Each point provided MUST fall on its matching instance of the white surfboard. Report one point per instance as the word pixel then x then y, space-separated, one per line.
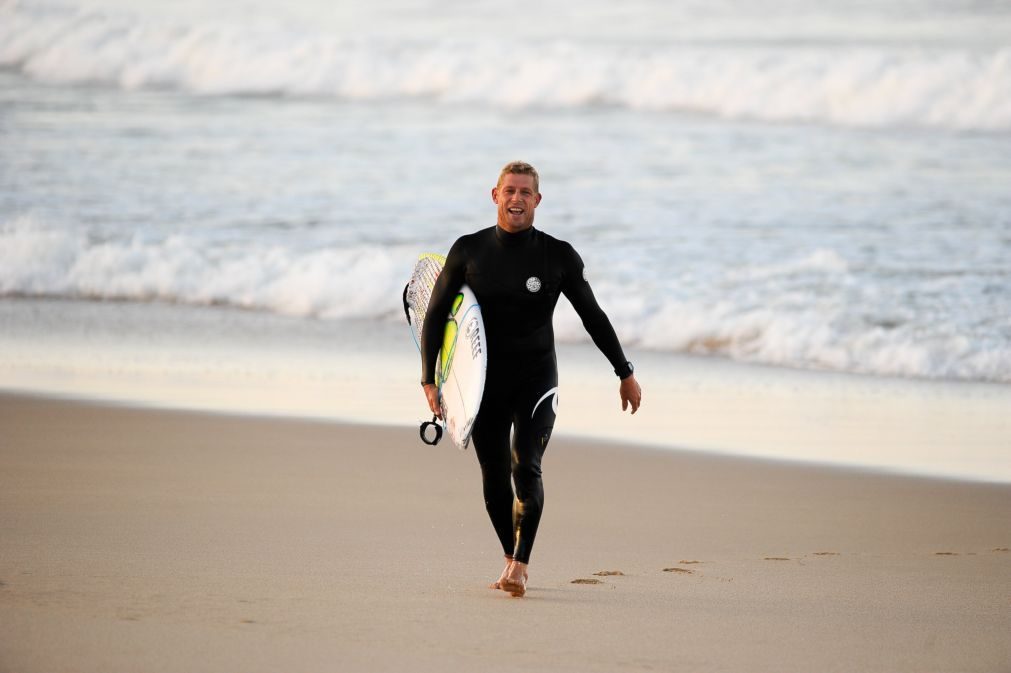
pixel 463 358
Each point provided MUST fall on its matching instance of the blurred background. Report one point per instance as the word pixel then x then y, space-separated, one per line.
pixel 217 204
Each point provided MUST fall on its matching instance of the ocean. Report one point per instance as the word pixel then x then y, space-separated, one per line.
pixel 802 188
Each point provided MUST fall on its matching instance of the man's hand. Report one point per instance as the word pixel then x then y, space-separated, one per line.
pixel 432 395
pixel 630 393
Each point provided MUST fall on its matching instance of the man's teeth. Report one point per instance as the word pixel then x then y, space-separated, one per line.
pixel 516 210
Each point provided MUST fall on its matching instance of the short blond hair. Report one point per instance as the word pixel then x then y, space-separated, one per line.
pixel 520 168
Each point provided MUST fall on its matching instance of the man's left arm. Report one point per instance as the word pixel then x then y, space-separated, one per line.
pixel 577 289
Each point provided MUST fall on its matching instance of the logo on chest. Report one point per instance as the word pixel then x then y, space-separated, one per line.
pixel 534 284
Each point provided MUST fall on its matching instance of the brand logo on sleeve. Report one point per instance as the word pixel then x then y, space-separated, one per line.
pixel 534 284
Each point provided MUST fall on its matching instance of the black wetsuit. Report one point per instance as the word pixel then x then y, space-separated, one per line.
pixel 517 279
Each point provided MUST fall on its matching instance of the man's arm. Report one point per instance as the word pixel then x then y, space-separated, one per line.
pixel 576 288
pixel 446 286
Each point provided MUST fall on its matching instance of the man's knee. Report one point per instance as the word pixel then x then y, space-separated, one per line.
pixel 527 477
pixel 527 472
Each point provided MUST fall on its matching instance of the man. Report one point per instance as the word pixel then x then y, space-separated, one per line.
pixel 517 273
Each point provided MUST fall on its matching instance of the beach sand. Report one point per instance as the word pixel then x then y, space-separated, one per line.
pixel 144 540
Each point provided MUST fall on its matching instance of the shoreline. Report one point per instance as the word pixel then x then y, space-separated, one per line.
pixel 410 430
pixel 705 438
pixel 142 539
pixel 234 361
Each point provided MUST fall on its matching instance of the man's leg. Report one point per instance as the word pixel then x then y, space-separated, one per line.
pixel 491 444
pixel 529 443
pixel 533 422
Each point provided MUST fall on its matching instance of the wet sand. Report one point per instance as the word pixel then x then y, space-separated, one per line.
pixel 143 540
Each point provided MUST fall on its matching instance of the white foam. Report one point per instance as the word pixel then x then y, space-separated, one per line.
pixel 815 312
pixel 807 312
pixel 36 260
pixel 864 85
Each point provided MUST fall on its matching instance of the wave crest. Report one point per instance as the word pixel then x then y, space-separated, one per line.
pixel 326 283
pixel 849 85
pixel 795 325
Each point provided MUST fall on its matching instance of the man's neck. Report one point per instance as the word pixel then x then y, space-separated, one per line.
pixel 513 237
pixel 512 230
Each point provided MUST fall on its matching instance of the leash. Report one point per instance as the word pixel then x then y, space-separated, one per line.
pixel 423 431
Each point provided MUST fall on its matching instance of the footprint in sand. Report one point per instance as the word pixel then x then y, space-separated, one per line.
pixel 945 553
pixel 582 580
pixel 1000 549
pixel 826 553
pixel 777 558
pixel 608 573
pixel 685 571
pixel 686 563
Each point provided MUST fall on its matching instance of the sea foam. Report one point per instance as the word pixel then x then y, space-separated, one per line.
pixel 36 260
pixel 780 314
pixel 859 84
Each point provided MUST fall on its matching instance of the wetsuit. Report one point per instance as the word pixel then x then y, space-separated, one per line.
pixel 517 279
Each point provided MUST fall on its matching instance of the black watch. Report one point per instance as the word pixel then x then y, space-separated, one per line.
pixel 624 371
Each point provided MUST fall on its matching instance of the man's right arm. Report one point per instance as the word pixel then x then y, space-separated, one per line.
pixel 446 286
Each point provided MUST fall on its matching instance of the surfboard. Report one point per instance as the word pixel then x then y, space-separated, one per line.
pixel 463 357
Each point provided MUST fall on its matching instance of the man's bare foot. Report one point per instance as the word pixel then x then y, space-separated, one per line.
pixel 514 581
pixel 497 584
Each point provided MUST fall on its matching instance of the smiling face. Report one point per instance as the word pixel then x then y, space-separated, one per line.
pixel 516 197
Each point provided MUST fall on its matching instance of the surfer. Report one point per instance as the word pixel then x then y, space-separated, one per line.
pixel 517 273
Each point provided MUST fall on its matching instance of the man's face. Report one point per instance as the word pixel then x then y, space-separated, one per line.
pixel 516 200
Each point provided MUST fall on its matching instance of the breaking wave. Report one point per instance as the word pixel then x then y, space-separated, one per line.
pixel 780 314
pixel 863 85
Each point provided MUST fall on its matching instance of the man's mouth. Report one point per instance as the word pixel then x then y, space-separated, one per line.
pixel 515 211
